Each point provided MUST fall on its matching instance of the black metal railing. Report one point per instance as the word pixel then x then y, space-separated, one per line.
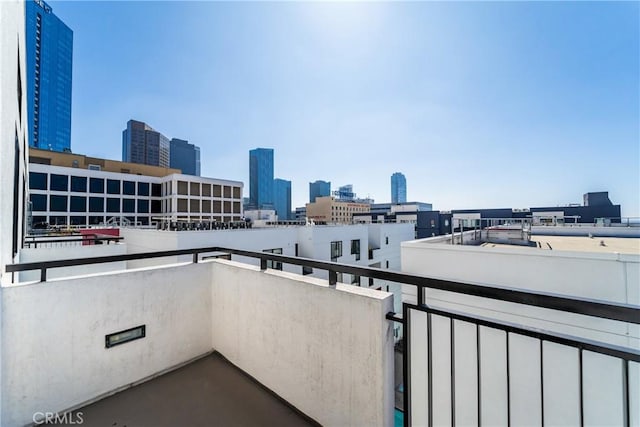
pixel 70 240
pixel 582 306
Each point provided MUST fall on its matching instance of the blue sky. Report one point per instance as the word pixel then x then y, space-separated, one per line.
pixel 479 104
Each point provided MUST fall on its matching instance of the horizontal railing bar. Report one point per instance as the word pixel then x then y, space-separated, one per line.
pixel 603 309
pixel 626 353
pixel 392 316
pixel 77 239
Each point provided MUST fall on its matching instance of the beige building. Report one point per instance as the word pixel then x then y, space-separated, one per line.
pixel 332 210
pixel 70 160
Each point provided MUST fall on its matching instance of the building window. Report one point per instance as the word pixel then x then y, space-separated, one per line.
pixel 113 204
pixel 96 204
pixel 194 205
pixel 143 189
pixel 156 206
pixel 355 248
pixel 227 192
pixel 128 205
pixel 113 186
pixel 386 240
pixel 78 204
pixel 129 188
pixel 236 207
pixel 236 193
pixel 96 185
pixel 79 184
pixel 156 190
pixel 217 191
pixel 143 206
pixel 206 190
pixel 182 205
pixel 37 181
pixel 78 220
pixel 183 189
pixel 306 270
pixel 336 250
pixel 58 182
pixel 276 265
pixel 58 203
pixel 96 220
pixel 195 188
pixel 94 167
pixel 38 202
pixel 206 206
pixel 387 263
pixel 355 279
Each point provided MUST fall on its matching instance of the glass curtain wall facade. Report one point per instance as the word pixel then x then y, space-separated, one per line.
pixel 398 188
pixel 49 72
pixel 261 178
pixel 319 189
pixel 282 198
pixel 184 156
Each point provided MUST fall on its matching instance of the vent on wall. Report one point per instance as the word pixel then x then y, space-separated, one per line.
pixel 125 336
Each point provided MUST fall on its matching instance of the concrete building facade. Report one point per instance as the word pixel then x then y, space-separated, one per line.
pixel 332 210
pixel 143 144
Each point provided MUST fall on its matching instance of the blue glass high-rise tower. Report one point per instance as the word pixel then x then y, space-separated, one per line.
pixel 319 189
pixel 261 178
pixel 398 188
pixel 282 198
pixel 49 68
pixel 184 156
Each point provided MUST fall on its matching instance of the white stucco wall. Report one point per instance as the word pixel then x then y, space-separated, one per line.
pixel 608 277
pixel 54 354
pixel 71 252
pixel 329 352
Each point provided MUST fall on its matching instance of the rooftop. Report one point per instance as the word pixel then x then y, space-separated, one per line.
pixel 579 244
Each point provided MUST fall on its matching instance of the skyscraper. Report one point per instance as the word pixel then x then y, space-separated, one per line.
pixel 398 188
pixel 282 198
pixel 184 156
pixel 261 178
pixel 143 144
pixel 319 189
pixel 49 68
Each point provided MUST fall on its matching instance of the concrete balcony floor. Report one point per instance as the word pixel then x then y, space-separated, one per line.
pixel 208 392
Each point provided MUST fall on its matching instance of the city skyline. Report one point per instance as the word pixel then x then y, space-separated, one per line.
pixel 483 104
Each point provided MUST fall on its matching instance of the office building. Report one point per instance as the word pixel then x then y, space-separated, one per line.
pixel 49 70
pixel 143 144
pixel 319 189
pixel 282 198
pixel 184 156
pixel 70 189
pixel 261 178
pixel 398 188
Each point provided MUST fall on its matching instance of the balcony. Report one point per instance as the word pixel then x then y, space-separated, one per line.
pixel 324 349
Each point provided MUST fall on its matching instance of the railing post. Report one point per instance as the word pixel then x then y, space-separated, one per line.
pixel 263 264
pixel 195 257
pixel 43 274
pixel 333 278
pixel 420 291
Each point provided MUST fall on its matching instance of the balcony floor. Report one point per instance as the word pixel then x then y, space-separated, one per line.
pixel 208 392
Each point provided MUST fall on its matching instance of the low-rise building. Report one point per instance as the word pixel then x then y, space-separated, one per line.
pixel 73 190
pixel 332 210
